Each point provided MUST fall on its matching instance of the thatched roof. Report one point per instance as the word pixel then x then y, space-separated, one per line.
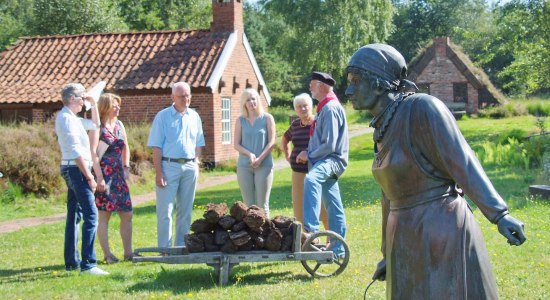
pixel 475 75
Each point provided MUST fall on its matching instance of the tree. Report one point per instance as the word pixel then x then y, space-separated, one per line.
pixel 323 34
pixel 263 35
pixel 165 14
pixel 524 37
pixel 70 17
pixel 14 15
pixel 419 21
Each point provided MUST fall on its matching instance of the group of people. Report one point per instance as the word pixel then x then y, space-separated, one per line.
pixel 432 246
pixel 94 166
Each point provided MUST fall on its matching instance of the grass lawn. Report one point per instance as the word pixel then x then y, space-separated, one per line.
pixel 32 259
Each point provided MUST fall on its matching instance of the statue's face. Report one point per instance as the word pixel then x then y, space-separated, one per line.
pixel 361 93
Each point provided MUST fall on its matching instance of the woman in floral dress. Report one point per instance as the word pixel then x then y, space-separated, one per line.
pixel 113 194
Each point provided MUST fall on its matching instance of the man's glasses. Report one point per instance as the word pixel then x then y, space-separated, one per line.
pixel 78 97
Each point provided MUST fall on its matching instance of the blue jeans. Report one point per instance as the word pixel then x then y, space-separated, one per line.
pixel 321 184
pixel 80 206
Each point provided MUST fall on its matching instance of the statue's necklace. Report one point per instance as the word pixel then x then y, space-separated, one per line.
pixel 385 118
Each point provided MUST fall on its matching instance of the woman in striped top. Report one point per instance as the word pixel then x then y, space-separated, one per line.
pixel 298 134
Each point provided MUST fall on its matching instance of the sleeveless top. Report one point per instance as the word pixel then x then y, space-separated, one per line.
pixel 254 138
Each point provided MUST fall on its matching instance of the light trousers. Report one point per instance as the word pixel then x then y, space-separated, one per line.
pixel 298 199
pixel 181 185
pixel 255 184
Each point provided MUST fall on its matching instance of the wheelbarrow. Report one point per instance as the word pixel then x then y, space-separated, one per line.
pixel 316 259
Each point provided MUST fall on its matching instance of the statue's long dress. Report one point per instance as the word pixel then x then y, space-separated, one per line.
pixel 433 245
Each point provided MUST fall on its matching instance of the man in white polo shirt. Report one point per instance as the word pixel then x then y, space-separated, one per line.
pixel 76 164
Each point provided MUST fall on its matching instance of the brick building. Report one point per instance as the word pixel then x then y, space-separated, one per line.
pixel 441 69
pixel 140 67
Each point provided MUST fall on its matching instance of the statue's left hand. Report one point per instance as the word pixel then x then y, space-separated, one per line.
pixel 512 229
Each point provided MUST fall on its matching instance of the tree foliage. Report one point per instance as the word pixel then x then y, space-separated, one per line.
pixel 14 15
pixel 419 21
pixel 510 40
pixel 524 36
pixel 290 38
pixel 323 34
pixel 262 32
pixel 70 17
pixel 165 14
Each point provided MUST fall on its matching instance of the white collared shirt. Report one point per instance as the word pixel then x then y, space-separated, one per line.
pixel 72 136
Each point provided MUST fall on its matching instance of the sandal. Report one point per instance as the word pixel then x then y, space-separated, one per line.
pixel 111 259
pixel 131 256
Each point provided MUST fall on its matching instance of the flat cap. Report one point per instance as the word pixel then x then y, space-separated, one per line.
pixel 323 77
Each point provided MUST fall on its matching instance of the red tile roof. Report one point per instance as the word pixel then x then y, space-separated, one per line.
pixel 35 69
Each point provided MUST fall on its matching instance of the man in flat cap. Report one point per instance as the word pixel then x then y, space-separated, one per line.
pixel 327 158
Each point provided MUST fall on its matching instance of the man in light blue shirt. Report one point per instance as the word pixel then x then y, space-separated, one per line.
pixel 177 140
pixel 327 158
pixel 76 164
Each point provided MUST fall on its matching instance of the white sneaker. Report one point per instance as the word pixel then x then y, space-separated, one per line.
pixel 95 271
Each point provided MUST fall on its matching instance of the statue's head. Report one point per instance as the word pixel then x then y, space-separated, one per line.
pixel 381 61
pixel 377 68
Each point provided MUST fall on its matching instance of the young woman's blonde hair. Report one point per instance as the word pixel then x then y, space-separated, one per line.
pixel 244 97
pixel 105 103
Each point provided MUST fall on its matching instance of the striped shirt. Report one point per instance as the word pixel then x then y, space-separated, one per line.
pixel 300 139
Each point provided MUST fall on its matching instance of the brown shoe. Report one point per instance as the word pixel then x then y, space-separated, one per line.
pixel 131 256
pixel 111 259
pixel 306 235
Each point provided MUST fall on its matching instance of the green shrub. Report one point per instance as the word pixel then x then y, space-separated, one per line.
pixel 30 157
pixel 138 134
pixel 511 154
pixel 535 147
pixel 9 192
pixel 494 112
pixel 540 108
pixel 511 109
pixel 514 134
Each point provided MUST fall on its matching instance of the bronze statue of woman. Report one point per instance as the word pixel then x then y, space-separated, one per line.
pixel 432 245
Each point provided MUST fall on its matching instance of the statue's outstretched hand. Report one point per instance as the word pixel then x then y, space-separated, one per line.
pixel 512 229
pixel 380 273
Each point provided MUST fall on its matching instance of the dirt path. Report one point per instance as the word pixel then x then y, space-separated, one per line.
pixel 14 225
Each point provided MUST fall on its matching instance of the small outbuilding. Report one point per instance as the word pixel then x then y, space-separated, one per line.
pixel 441 69
pixel 218 63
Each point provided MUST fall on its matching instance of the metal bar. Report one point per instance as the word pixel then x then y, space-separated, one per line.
pixel 167 250
pixel 194 258
pixel 244 256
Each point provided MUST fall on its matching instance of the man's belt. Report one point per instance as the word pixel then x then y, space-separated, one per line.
pixel 68 162
pixel 72 162
pixel 178 160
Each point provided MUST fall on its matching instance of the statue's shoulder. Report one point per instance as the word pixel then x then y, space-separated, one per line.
pixel 425 102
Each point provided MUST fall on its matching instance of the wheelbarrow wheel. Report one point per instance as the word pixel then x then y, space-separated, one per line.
pixel 333 267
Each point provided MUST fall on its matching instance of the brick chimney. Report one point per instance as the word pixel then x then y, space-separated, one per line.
pixel 441 45
pixel 227 15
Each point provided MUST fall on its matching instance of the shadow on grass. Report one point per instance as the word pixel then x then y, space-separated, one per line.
pixel 33 274
pixel 183 281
